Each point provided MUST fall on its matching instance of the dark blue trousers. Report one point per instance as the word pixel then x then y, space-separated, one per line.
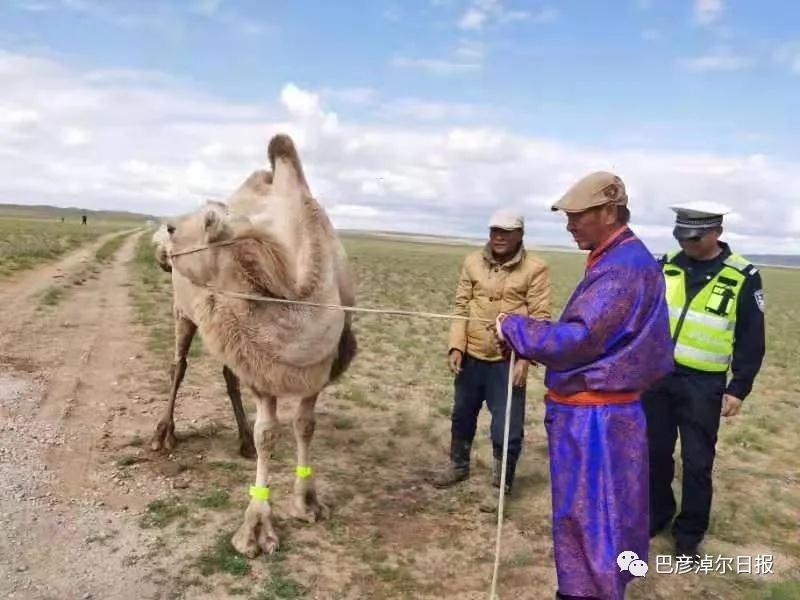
pixel 481 381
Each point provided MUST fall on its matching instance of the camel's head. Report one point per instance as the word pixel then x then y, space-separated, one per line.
pixel 205 226
pixel 162 245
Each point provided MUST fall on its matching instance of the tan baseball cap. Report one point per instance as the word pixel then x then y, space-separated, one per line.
pixel 596 189
pixel 505 219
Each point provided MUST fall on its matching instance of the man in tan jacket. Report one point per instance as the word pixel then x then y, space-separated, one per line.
pixel 502 277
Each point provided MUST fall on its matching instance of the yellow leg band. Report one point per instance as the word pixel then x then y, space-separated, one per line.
pixel 259 492
pixel 304 472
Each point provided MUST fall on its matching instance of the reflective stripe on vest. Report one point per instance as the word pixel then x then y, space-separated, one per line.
pixel 704 318
pixel 703 329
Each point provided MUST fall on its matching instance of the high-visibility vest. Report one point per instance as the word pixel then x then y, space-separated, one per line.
pixel 703 329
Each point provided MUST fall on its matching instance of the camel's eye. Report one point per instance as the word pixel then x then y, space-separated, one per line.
pixel 170 229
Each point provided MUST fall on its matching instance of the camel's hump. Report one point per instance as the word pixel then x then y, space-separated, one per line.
pixel 249 197
pixel 281 146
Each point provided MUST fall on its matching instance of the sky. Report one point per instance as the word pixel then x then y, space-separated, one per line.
pixel 415 115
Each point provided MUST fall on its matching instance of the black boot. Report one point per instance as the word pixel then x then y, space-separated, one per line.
pixel 511 468
pixel 490 501
pixel 458 468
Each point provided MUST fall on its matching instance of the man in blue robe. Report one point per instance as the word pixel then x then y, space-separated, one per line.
pixel 610 344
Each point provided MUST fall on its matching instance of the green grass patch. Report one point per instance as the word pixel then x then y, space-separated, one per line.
pixel 52 296
pixel 28 240
pixel 222 557
pixel 161 513
pixel 224 465
pixel 279 586
pixel 109 248
pixel 151 298
pixel 344 422
pixel 127 461
pixel 216 499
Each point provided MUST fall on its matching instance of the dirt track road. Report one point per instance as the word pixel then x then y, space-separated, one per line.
pixel 67 372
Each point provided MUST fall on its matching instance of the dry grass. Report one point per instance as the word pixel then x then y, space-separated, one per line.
pixel 386 423
pixel 27 242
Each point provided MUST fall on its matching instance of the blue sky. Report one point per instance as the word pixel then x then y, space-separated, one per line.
pixel 507 103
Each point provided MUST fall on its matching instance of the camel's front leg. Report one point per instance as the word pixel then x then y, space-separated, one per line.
pixel 246 445
pixel 306 505
pixel 256 533
pixel 164 436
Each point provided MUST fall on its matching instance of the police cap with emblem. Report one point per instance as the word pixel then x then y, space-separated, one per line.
pixel 697 218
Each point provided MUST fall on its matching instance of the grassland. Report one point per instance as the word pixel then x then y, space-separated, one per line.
pixel 386 424
pixel 31 237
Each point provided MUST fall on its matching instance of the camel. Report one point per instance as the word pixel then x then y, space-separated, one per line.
pixel 278 243
pixel 185 329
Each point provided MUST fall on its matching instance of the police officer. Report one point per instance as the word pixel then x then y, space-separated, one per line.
pixel 716 308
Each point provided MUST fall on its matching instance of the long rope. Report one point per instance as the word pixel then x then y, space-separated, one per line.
pixel 501 502
pixel 356 309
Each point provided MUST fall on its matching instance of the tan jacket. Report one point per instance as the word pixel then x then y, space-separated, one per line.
pixel 487 288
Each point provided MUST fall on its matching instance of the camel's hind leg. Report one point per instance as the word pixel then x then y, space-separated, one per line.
pixel 306 505
pixel 164 436
pixel 246 447
pixel 256 533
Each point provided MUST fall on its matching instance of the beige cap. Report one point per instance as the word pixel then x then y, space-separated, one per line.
pixel 505 219
pixel 596 189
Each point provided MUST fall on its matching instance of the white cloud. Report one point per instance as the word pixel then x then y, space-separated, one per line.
pixel 18 117
pixel 470 51
pixel 33 5
pixel 74 137
pixel 299 102
pixel 163 18
pixel 157 147
pixel 708 11
pixel 481 13
pixel 466 57
pixel 719 59
pixel 437 66
pixel 473 19
pixel 353 210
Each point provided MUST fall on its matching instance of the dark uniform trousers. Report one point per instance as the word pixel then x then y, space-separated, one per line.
pixel 689 402
pixel 481 380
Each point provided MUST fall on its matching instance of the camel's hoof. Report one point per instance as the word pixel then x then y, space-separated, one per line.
pixel 248 449
pixel 310 510
pixel 164 437
pixel 256 535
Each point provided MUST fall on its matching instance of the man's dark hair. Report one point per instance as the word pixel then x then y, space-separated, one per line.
pixel 623 215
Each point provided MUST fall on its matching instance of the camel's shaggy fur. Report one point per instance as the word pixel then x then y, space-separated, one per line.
pixel 284 247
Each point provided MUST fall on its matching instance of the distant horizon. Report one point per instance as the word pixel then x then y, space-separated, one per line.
pixel 389 232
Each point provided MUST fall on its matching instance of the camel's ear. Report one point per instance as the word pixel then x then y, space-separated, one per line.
pixel 287 171
pixel 214 222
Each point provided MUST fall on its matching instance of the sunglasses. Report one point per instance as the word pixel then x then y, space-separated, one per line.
pixel 696 237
